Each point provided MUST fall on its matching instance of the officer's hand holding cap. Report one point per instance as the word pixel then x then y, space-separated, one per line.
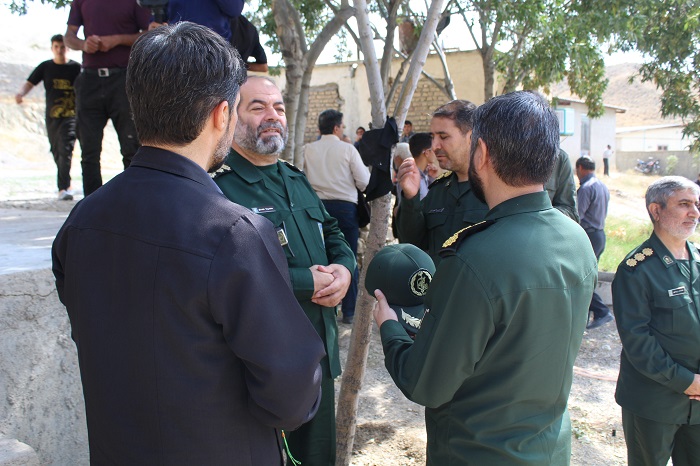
pixel 403 273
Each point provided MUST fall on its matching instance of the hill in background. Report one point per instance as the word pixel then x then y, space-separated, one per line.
pixel 641 100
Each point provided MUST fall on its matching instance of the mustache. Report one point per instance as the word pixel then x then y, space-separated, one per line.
pixel 270 124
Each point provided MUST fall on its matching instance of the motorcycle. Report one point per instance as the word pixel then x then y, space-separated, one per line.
pixel 649 166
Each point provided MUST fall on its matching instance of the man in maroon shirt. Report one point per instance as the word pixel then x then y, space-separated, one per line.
pixel 109 28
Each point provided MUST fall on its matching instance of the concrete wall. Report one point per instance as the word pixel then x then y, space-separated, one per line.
pixel 41 398
pixel 686 166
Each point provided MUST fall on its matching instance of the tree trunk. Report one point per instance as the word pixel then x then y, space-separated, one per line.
pixel 293 47
pixel 346 416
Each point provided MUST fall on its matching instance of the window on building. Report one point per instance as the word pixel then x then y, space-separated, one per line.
pixel 585 135
pixel 662 147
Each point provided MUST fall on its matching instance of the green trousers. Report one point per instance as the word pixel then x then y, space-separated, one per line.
pixel 314 442
pixel 651 443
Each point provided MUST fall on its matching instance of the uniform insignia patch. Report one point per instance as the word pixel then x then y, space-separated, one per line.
pixel 677 291
pixel 221 171
pixel 420 281
pixel 440 179
pixel 639 257
pixel 453 242
pixel 410 320
pixel 668 260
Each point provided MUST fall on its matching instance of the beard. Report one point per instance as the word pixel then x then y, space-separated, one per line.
pixel 476 183
pixel 255 141
pixel 221 151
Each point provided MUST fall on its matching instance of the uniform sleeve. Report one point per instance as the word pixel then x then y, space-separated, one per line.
pixel 564 195
pixel 452 339
pixel 360 173
pixel 410 222
pixel 264 325
pixel 631 306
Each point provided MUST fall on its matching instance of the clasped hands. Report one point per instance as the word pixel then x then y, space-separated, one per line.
pixel 331 282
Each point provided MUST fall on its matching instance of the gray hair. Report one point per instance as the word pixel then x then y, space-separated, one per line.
pixel 660 190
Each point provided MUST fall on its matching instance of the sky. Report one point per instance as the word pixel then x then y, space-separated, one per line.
pixel 25 39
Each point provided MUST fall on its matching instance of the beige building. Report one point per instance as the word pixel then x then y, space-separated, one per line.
pixel 343 86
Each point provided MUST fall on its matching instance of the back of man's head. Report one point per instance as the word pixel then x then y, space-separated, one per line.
pixel 418 143
pixel 177 75
pixel 586 163
pixel 459 111
pixel 328 120
pixel 521 133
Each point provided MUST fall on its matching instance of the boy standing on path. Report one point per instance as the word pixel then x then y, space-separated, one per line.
pixel 58 75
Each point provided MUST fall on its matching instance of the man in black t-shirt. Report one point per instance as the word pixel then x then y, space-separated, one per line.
pixel 58 76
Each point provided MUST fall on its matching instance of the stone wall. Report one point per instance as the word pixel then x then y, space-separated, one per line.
pixel 41 398
pixel 425 100
pixel 323 98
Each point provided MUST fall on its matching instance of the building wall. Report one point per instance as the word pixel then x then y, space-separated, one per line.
pixel 350 78
pixel 652 139
pixel 602 131
pixel 683 165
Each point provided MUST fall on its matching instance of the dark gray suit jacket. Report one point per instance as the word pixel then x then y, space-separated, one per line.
pixel 192 346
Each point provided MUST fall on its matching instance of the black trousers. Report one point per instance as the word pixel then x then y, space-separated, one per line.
pixel 606 167
pixel 99 99
pixel 597 307
pixel 61 132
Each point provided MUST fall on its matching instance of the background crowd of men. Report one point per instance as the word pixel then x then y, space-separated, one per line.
pixel 206 329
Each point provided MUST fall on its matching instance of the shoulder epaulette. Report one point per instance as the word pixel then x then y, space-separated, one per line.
pixel 221 171
pixel 637 257
pixel 292 166
pixel 450 246
pixel 441 179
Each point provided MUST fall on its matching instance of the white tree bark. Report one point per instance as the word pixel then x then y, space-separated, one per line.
pixel 346 418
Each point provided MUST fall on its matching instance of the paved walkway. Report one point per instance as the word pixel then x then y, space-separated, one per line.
pixel 26 237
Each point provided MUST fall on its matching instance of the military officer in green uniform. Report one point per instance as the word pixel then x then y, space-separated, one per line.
pixel 450 203
pixel 319 258
pixel 507 307
pixel 656 301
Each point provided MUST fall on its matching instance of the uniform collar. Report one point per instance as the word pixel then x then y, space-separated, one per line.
pixel 244 168
pixel 665 255
pixel 171 162
pixel 533 202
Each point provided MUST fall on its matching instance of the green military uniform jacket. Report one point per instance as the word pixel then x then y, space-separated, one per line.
pixel 448 207
pixel 493 359
pixel 561 187
pixel 656 305
pixel 309 235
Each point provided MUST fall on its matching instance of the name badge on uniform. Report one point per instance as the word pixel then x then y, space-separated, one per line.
pixel 320 229
pixel 282 237
pixel 680 291
pixel 436 211
pixel 263 210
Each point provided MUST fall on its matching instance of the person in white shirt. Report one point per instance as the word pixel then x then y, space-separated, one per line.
pixel 336 172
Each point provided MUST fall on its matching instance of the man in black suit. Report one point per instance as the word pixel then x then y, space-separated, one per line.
pixel 192 346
